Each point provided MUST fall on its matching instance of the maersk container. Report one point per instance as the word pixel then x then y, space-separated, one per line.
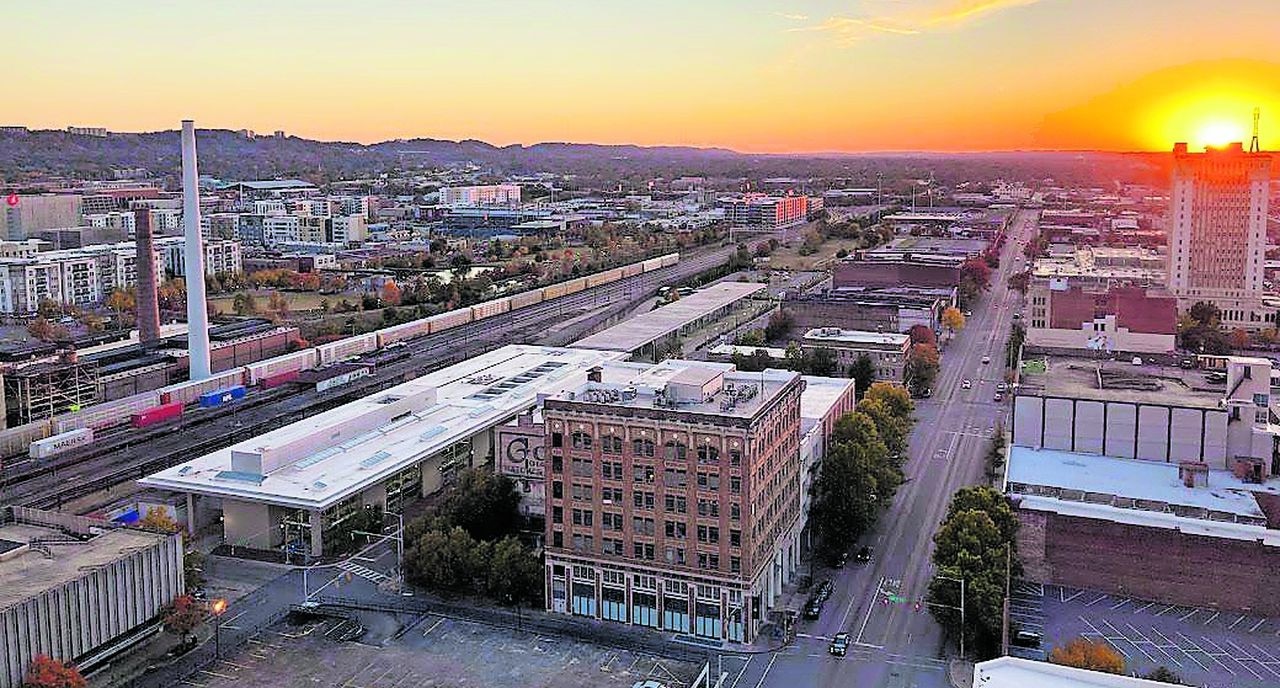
pixel 157 414
pixel 222 396
pixel 49 446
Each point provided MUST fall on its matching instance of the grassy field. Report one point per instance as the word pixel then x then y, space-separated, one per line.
pixel 789 258
pixel 298 300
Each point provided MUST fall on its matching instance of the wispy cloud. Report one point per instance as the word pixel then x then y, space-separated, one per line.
pixel 905 17
pixel 792 16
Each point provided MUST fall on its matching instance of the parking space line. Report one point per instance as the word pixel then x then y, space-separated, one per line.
pixel 1237 622
pixel 1120 634
pixel 1179 648
pixel 1153 643
pixel 1162 612
pixel 1073 595
pixel 1258 625
pixel 1090 604
pixel 1144 607
pixel 1103 636
pixel 1120 604
pixel 1189 614
pixel 1207 653
pixel 1245 656
pixel 1210 619
pixel 1271 659
pixel 433 627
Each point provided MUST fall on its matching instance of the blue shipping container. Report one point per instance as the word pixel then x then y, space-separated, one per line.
pixel 220 397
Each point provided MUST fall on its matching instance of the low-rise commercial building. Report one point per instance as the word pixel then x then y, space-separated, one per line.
pixel 294 487
pixel 1118 319
pixel 870 309
pixel 71 585
pixel 887 350
pixel 1015 672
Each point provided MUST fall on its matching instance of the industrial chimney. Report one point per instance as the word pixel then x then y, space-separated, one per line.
pixel 193 255
pixel 148 305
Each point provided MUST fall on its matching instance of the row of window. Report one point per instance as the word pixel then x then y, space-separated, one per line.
pixel 671 450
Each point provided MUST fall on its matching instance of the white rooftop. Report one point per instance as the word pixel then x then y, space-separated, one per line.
pixel 321 460
pixel 731 349
pixel 1015 672
pixel 1133 478
pixel 864 337
pixel 649 327
pixel 821 393
pixel 716 389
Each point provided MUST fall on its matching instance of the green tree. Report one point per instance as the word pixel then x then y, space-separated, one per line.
pixel 1163 674
pixel 484 504
pixel 856 479
pixel 921 368
pixel 893 396
pixel 863 372
pixel 244 303
pixel 820 361
pixel 891 428
pixel 515 574
pixel 445 560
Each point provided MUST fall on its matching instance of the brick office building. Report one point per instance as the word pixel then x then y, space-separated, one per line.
pixel 674 496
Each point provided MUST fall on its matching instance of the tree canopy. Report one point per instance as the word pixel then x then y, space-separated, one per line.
pixel 1083 653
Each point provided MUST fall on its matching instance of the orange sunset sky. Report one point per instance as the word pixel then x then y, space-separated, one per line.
pixel 752 75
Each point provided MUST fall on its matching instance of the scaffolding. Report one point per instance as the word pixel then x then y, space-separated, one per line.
pixel 44 390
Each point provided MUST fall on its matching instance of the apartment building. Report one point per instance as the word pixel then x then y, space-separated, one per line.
pixel 770 212
pixel 220 255
pixel 482 195
pixel 1218 232
pixel 673 496
pixel 887 350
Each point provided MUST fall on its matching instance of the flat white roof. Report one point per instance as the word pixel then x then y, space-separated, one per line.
pixel 833 334
pixel 1133 478
pixel 1015 672
pixel 324 463
pixel 731 349
pixel 649 327
pixel 822 393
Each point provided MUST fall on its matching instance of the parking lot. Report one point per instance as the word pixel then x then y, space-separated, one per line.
pixel 1205 647
pixel 428 650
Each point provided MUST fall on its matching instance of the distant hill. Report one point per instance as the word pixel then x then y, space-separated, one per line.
pixel 228 155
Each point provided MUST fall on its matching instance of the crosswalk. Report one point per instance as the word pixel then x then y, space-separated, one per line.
pixel 375 577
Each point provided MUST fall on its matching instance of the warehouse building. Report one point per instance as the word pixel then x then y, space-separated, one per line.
pixel 76 588
pixel 886 350
pixel 295 486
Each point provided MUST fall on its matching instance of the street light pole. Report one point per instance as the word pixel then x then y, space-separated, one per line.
pixel 962 624
pixel 217 607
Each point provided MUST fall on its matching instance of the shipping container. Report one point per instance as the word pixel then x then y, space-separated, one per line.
pixel 347 347
pixel 341 379
pixel 526 298
pixel 16 440
pixel 158 414
pixel 49 446
pixel 652 264
pixel 575 286
pixel 278 379
pixel 298 360
pixel 632 270
pixel 189 392
pixel 489 309
pixel 403 332
pixel 222 396
pixel 449 320
pixel 605 277
pixel 108 414
pixel 670 259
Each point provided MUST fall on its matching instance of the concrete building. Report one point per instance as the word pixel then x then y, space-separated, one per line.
pixel 1015 672
pixel 70 586
pixel 220 255
pixel 1100 267
pixel 36 212
pixel 1152 413
pixel 1119 319
pixel 81 276
pixel 914 270
pixel 293 487
pixel 872 309
pixel 97 132
pixel 766 212
pixel 1218 232
pixel 887 350
pixel 691 522
pixel 483 195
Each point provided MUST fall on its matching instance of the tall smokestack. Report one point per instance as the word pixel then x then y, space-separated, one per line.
pixel 193 254
pixel 148 305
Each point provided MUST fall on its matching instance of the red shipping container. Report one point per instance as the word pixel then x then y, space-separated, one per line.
pixel 278 379
pixel 157 414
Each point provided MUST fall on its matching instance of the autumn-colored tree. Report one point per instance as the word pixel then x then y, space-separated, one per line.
pixel 1239 339
pixel 391 293
pixel 921 368
pixel 41 329
pixel 47 672
pixel 120 301
pixel 184 616
pixel 278 306
pixel 953 319
pixel 158 520
pixel 922 334
pixel 1083 653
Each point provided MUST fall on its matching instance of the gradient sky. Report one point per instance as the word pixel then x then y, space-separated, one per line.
pixel 753 75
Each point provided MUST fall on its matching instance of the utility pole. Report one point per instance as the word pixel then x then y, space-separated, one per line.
pixel 1008 567
pixel 1253 142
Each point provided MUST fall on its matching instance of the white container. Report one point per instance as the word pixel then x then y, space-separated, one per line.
pixel 50 446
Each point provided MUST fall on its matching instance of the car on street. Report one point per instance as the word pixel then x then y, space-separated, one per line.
pixel 1001 387
pixel 966 384
pixel 813 608
pixel 825 588
pixel 839 645
pixel 842 559
pixel 998 397
pixel 864 554
pixel 1026 639
pixel 986 359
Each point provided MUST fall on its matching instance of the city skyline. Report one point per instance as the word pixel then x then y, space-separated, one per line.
pixel 762 77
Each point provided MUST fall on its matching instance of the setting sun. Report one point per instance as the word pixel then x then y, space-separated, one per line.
pixel 1219 133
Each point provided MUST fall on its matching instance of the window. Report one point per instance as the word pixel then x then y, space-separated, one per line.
pixel 677 530
pixel 642 474
pixel 557 539
pixel 582 467
pixel 611 495
pixel 557 464
pixel 1260 400
pixel 673 477
pixel 676 504
pixel 708 561
pixel 611 470
pixel 582 492
pixel 708 453
pixel 557 489
pixel 643 550
pixel 557 439
pixel 642 447
pixel 583 517
pixel 611 546
pixel 642 500
pixel 580 440
pixel 709 534
pixel 611 444
pixel 557 514
pixel 735 538
pixel 735 511
pixel 642 526
pixel 708 481
pixel 674 450
pixel 708 507
pixel 611 521
pixel 675 555
pixel 735 457
pixel 583 543
pixel 735 484
pixel 735 564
